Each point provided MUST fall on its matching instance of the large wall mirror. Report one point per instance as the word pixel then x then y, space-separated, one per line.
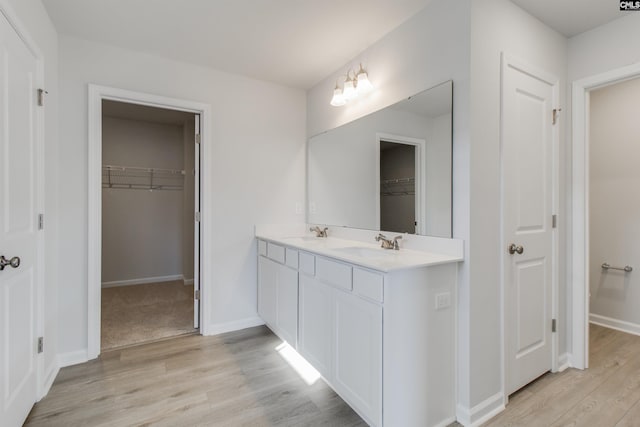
pixel 389 170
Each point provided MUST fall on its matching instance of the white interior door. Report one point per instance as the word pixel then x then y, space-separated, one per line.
pixel 18 227
pixel 527 162
pixel 197 273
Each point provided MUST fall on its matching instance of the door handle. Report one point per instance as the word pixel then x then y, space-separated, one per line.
pixel 515 249
pixel 13 262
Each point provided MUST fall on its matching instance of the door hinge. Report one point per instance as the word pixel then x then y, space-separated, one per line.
pixel 40 221
pixel 198 216
pixel 196 294
pixel 40 344
pixel 554 221
pixel 553 325
pixel 41 94
pixel 556 111
pixel 197 138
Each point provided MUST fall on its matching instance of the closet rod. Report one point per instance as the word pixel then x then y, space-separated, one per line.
pixel 141 169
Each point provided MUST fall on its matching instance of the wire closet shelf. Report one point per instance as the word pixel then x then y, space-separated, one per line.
pixel 398 187
pixel 138 178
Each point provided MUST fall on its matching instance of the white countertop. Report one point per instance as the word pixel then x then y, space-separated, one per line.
pixel 364 254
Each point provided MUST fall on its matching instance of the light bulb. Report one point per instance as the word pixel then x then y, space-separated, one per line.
pixel 349 91
pixel 363 85
pixel 338 98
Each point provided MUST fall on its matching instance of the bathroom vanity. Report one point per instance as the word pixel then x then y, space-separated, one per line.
pixel 379 325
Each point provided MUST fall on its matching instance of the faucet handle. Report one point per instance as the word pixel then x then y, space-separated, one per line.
pixel 379 237
pixel 396 246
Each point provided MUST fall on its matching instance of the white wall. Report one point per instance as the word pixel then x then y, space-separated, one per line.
pixel 258 142
pixel 35 20
pixel 142 231
pixel 604 48
pixel 497 26
pixel 614 230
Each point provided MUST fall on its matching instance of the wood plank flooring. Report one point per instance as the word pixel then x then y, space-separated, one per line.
pixel 605 395
pixel 235 379
pixel 238 379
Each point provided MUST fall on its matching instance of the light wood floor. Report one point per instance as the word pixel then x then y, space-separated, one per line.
pixel 238 379
pixel 235 379
pixel 605 395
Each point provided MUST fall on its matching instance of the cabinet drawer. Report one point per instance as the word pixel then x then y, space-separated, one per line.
pixel 334 273
pixel 307 264
pixel 275 252
pixel 292 258
pixel 262 248
pixel 368 284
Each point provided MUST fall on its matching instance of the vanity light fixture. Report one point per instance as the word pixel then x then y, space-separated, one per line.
pixel 352 87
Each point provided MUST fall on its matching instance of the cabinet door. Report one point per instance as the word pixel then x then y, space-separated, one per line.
pixel 358 353
pixel 287 304
pixel 316 324
pixel 267 277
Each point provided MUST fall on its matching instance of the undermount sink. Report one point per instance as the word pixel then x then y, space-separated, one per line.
pixel 364 252
pixel 306 239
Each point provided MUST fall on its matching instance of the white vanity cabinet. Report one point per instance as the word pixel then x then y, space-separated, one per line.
pixel 278 291
pixel 383 340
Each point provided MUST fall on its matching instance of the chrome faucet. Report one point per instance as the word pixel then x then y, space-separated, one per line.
pixel 387 243
pixel 319 232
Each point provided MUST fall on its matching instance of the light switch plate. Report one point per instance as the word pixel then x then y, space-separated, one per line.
pixel 443 300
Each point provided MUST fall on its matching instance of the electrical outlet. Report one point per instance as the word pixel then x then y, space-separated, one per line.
pixel 298 208
pixel 443 300
pixel 312 207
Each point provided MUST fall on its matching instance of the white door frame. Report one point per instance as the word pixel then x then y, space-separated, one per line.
pixel 509 60
pixel 580 206
pixel 420 175
pixel 98 93
pixel 43 379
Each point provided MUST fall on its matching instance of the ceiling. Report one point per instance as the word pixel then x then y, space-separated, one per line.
pixel 572 17
pixel 296 43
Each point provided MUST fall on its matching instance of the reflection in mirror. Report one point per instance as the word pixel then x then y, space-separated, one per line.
pixel 389 170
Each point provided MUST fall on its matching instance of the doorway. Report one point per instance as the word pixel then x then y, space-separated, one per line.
pixel 202 203
pixel 398 187
pixel 400 180
pixel 582 262
pixel 148 211
pixel 614 206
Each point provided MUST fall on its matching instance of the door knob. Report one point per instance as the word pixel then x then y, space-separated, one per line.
pixel 13 262
pixel 515 249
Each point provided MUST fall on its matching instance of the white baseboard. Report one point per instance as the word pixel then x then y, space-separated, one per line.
pixel 563 362
pixel 49 378
pixel 142 281
pixel 187 281
pixel 619 325
pixel 72 358
pixel 221 328
pixel 482 412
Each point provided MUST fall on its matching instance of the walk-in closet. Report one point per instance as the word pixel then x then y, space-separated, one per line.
pixel 148 228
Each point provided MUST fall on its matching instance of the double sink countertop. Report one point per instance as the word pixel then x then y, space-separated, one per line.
pixel 369 255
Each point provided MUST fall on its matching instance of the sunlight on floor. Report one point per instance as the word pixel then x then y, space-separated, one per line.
pixel 307 372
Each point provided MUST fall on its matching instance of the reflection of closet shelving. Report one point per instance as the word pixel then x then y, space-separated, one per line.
pixel 136 178
pixel 398 187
